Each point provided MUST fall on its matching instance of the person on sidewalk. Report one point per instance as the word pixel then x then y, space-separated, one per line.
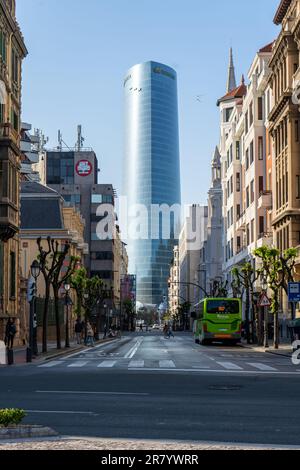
pixel 90 335
pixel 10 333
pixel 78 330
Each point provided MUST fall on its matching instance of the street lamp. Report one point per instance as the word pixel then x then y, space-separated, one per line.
pixel 35 270
pixel 67 288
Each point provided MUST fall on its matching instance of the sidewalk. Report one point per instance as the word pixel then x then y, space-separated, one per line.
pixel 53 352
pixel 284 349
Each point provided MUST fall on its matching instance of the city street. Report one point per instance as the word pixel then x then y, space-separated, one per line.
pixel 147 387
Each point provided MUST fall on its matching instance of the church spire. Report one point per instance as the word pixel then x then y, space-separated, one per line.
pixel 231 82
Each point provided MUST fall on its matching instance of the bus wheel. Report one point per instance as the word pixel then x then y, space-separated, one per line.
pixel 204 342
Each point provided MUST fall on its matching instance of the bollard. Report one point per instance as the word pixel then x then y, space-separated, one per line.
pixel 10 356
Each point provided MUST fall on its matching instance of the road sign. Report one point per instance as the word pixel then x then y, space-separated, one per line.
pixel 294 291
pixel 264 301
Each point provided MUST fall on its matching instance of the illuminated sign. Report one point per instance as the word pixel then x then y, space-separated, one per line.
pixel 84 168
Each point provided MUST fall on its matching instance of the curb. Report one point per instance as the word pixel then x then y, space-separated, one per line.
pixel 268 351
pixel 26 432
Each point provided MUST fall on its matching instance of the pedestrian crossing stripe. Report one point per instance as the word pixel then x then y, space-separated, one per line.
pixel 160 365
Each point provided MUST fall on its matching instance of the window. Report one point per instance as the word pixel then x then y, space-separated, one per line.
pixel 103 256
pixel 237 150
pixel 247 197
pixel 297 131
pixel 251 153
pixel 260 184
pixel 102 199
pixel 248 235
pixel 228 113
pixel 261 226
pixel 231 154
pixel 231 184
pixel 252 191
pixel 238 211
pixel 3 46
pixel 251 114
pixel 238 244
pixel 252 230
pixel 260 148
pixel 246 122
pixel 15 66
pixel 298 186
pixel 247 159
pixel 260 109
pixel 231 215
pixel 238 182
pixel 12 274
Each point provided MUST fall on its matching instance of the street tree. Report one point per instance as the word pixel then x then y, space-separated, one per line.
pixel 129 309
pixel 50 260
pixel 278 268
pixel 59 279
pixel 245 277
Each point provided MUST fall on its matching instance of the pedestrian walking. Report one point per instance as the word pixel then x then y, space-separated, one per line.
pixel 90 335
pixel 10 333
pixel 105 332
pixel 170 332
pixel 78 330
pixel 165 330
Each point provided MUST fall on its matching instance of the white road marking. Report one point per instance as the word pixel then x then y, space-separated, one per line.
pixel 229 365
pixel 134 349
pixel 96 348
pixel 91 413
pixel 261 366
pixel 78 364
pixel 73 392
pixel 242 372
pixel 166 364
pixel 138 364
pixel 51 364
pixel 107 364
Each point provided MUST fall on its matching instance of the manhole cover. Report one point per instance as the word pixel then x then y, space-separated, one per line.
pixel 225 388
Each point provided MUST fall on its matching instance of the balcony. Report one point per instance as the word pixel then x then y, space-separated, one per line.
pixel 265 200
pixel 9 221
pixel 8 133
pixel 265 239
pixel 241 222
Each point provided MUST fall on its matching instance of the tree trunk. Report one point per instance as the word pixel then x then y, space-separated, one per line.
pixel 247 315
pixel 56 305
pixel 45 317
pixel 266 327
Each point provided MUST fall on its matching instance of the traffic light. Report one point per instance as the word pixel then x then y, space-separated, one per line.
pixel 30 289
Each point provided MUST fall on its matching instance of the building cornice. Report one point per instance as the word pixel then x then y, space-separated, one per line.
pixel 281 11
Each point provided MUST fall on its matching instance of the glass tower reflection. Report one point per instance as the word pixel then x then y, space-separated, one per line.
pixel 152 171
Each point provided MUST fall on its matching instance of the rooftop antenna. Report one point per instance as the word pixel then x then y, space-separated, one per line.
pixel 80 138
pixel 61 142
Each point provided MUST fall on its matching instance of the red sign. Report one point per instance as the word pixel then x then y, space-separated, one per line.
pixel 264 301
pixel 84 168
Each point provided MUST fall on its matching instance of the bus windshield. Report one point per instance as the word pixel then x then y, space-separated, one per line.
pixel 223 306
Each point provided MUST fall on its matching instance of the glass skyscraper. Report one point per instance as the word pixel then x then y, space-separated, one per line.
pixel 152 172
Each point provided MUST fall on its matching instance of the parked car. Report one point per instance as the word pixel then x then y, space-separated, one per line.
pixel 155 327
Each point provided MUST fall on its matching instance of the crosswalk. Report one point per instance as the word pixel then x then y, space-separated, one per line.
pixel 163 365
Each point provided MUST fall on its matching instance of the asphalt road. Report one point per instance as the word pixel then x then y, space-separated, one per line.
pixel 146 387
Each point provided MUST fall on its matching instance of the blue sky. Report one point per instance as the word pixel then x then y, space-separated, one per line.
pixel 79 53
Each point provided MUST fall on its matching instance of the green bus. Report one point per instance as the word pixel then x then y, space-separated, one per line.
pixel 218 319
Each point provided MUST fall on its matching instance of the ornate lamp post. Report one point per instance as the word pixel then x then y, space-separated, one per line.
pixel 35 272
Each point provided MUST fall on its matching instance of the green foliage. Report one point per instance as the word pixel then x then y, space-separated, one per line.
pixel 12 416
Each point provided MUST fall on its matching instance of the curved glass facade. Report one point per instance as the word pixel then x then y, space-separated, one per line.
pixel 152 171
